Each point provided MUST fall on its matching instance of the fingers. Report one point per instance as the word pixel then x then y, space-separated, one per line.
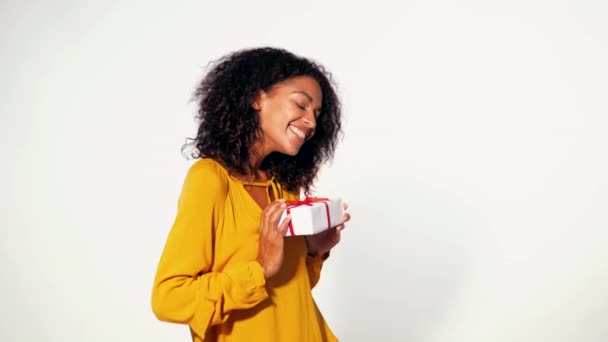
pixel 270 216
pixel 270 249
pixel 282 228
pixel 275 216
pixel 335 236
pixel 340 227
pixel 345 218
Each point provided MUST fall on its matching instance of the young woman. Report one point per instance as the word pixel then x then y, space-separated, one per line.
pixel 269 120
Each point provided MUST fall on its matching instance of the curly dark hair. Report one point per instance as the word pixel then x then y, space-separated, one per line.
pixel 229 125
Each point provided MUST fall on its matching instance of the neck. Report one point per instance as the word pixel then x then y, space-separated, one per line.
pixel 256 174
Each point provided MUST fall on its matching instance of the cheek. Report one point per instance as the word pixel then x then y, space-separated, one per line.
pixel 277 116
pixel 282 115
pixel 271 123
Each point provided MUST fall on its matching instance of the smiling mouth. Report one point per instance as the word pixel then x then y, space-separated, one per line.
pixel 298 132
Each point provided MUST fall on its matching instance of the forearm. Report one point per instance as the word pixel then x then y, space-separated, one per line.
pixel 206 300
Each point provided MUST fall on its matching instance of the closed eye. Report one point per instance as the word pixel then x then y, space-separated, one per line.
pixel 317 112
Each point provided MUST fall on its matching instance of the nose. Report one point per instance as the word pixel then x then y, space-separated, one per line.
pixel 310 123
pixel 310 120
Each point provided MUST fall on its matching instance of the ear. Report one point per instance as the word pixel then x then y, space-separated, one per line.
pixel 258 101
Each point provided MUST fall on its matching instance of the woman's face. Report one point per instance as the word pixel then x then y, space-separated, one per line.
pixel 288 114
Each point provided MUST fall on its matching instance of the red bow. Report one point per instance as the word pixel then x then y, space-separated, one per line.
pixel 307 201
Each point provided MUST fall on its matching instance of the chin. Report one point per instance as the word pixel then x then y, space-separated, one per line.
pixel 290 151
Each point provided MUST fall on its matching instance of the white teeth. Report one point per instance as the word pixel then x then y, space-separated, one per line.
pixel 298 132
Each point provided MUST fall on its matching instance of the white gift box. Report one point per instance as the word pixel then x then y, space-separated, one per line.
pixel 313 215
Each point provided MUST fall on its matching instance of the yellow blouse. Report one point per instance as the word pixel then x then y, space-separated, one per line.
pixel 208 276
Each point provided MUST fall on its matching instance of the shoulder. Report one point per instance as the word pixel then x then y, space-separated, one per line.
pixel 207 175
pixel 208 167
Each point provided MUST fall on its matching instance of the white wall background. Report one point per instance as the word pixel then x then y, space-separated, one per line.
pixel 475 162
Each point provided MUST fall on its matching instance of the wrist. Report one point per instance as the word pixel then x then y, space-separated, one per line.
pixel 310 251
pixel 312 254
pixel 264 269
pixel 322 256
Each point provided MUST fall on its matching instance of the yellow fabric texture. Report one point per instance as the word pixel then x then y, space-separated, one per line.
pixel 208 276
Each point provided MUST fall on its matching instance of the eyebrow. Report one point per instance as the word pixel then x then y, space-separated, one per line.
pixel 303 93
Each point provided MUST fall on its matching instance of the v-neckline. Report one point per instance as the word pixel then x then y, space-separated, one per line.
pixel 252 199
pixel 266 184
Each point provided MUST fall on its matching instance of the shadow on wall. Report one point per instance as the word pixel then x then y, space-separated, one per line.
pixel 404 262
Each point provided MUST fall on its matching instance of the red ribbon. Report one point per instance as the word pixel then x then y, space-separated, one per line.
pixel 307 201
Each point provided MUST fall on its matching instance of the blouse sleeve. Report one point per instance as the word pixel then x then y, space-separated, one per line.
pixel 314 266
pixel 185 289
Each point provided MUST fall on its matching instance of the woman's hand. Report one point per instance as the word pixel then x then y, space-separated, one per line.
pixel 324 241
pixel 270 250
